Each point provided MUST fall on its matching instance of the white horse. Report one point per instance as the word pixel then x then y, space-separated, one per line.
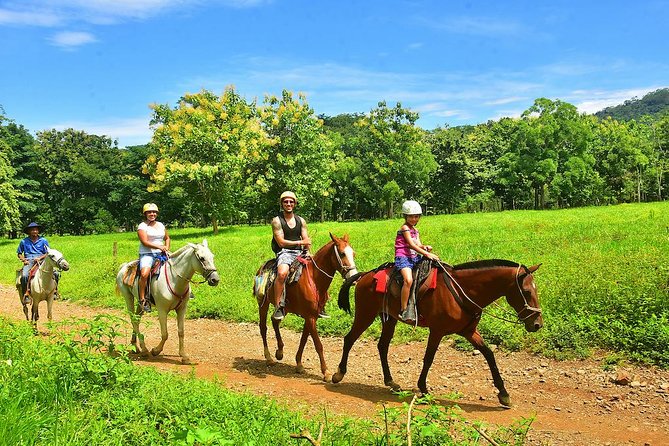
pixel 43 284
pixel 171 291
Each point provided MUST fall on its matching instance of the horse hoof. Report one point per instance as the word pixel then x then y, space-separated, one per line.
pixel 145 354
pixel 155 352
pixel 393 386
pixel 185 360
pixel 327 377
pixel 504 400
pixel 270 362
pixel 299 370
pixel 337 377
pixel 279 354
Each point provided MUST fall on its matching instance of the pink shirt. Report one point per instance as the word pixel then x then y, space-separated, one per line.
pixel 402 247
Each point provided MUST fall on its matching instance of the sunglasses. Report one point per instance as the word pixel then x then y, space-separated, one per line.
pixel 288 201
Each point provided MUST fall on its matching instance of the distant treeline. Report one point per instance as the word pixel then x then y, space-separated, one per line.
pixel 221 159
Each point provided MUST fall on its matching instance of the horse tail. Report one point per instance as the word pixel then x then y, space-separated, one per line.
pixel 343 300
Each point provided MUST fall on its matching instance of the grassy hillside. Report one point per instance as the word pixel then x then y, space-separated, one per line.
pixel 602 284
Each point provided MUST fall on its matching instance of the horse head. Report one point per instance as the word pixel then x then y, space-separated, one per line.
pixel 205 262
pixel 345 256
pixel 524 298
pixel 57 258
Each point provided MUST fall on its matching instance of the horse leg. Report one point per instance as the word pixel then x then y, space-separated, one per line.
pixel 432 345
pixel 361 322
pixel 49 307
pixel 279 341
pixel 162 317
pixel 387 333
pixel 181 316
pixel 134 317
pixel 262 312
pixel 477 341
pixel 300 349
pixel 318 345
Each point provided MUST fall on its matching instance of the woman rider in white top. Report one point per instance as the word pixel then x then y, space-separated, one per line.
pixel 154 240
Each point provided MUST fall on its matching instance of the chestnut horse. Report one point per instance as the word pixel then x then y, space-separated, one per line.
pixel 305 297
pixel 474 285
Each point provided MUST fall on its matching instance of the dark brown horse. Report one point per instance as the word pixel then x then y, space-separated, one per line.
pixel 475 285
pixel 305 297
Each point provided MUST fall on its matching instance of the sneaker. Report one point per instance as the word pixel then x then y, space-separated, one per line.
pixel 192 296
pixel 26 299
pixel 408 316
pixel 279 314
pixel 323 315
pixel 146 306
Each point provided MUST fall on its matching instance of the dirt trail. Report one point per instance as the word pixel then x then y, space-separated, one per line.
pixel 573 402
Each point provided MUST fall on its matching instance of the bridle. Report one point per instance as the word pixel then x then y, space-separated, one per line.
pixel 526 306
pixel 206 272
pixel 344 270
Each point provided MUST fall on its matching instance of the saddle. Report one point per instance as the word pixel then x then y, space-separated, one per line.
pixel 267 275
pixel 386 273
pixel 31 275
pixel 132 271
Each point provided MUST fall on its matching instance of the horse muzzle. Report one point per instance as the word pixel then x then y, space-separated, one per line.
pixel 213 279
pixel 350 273
pixel 64 266
pixel 533 324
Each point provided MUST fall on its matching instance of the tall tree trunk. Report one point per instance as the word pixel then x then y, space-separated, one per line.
pixel 214 224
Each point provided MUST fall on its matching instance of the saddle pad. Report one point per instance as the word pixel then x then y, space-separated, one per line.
pixel 381 278
pixel 130 273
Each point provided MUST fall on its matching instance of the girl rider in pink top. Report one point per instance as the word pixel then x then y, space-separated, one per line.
pixel 407 250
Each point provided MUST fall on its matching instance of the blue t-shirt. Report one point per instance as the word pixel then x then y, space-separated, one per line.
pixel 32 250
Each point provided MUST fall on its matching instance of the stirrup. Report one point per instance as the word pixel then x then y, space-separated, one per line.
pixel 323 315
pixel 279 314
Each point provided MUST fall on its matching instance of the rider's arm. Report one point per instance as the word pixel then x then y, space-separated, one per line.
pixel 413 245
pixel 168 240
pixel 306 241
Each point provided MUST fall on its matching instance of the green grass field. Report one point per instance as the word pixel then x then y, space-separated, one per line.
pixel 602 284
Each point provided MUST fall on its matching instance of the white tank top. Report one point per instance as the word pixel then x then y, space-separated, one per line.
pixel 155 234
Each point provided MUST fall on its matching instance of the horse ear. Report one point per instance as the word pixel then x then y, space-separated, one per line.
pixel 345 238
pixel 333 237
pixel 192 245
pixel 534 268
pixel 204 243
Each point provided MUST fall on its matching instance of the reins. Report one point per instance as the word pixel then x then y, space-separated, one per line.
pixel 520 320
pixel 207 272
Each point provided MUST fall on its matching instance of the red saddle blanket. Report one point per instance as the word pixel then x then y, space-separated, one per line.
pixel 382 277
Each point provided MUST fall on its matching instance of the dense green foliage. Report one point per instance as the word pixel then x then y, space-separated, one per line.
pixel 222 159
pixel 602 283
pixel 72 392
pixel 655 103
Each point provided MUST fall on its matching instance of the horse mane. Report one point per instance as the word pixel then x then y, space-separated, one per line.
pixel 483 264
pixel 328 245
pixel 180 250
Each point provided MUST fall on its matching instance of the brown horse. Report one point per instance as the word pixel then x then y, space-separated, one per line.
pixel 452 307
pixel 304 297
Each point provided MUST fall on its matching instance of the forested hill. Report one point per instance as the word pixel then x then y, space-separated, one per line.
pixel 654 103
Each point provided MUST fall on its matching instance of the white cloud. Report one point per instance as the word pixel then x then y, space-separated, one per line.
pixel 71 39
pixel 128 131
pixel 592 101
pixel 101 12
pixel 29 17
pixel 481 26
pixel 507 100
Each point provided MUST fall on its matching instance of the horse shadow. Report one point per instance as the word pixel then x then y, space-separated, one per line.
pixel 160 359
pixel 381 394
pixel 258 368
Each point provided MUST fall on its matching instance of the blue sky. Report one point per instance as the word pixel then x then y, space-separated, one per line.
pixel 96 65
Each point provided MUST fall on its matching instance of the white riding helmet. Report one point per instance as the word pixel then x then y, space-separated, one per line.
pixel 149 207
pixel 411 207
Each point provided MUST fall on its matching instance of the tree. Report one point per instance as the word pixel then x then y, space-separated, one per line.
pixel 204 146
pixel 77 180
pixel 391 148
pixel 300 157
